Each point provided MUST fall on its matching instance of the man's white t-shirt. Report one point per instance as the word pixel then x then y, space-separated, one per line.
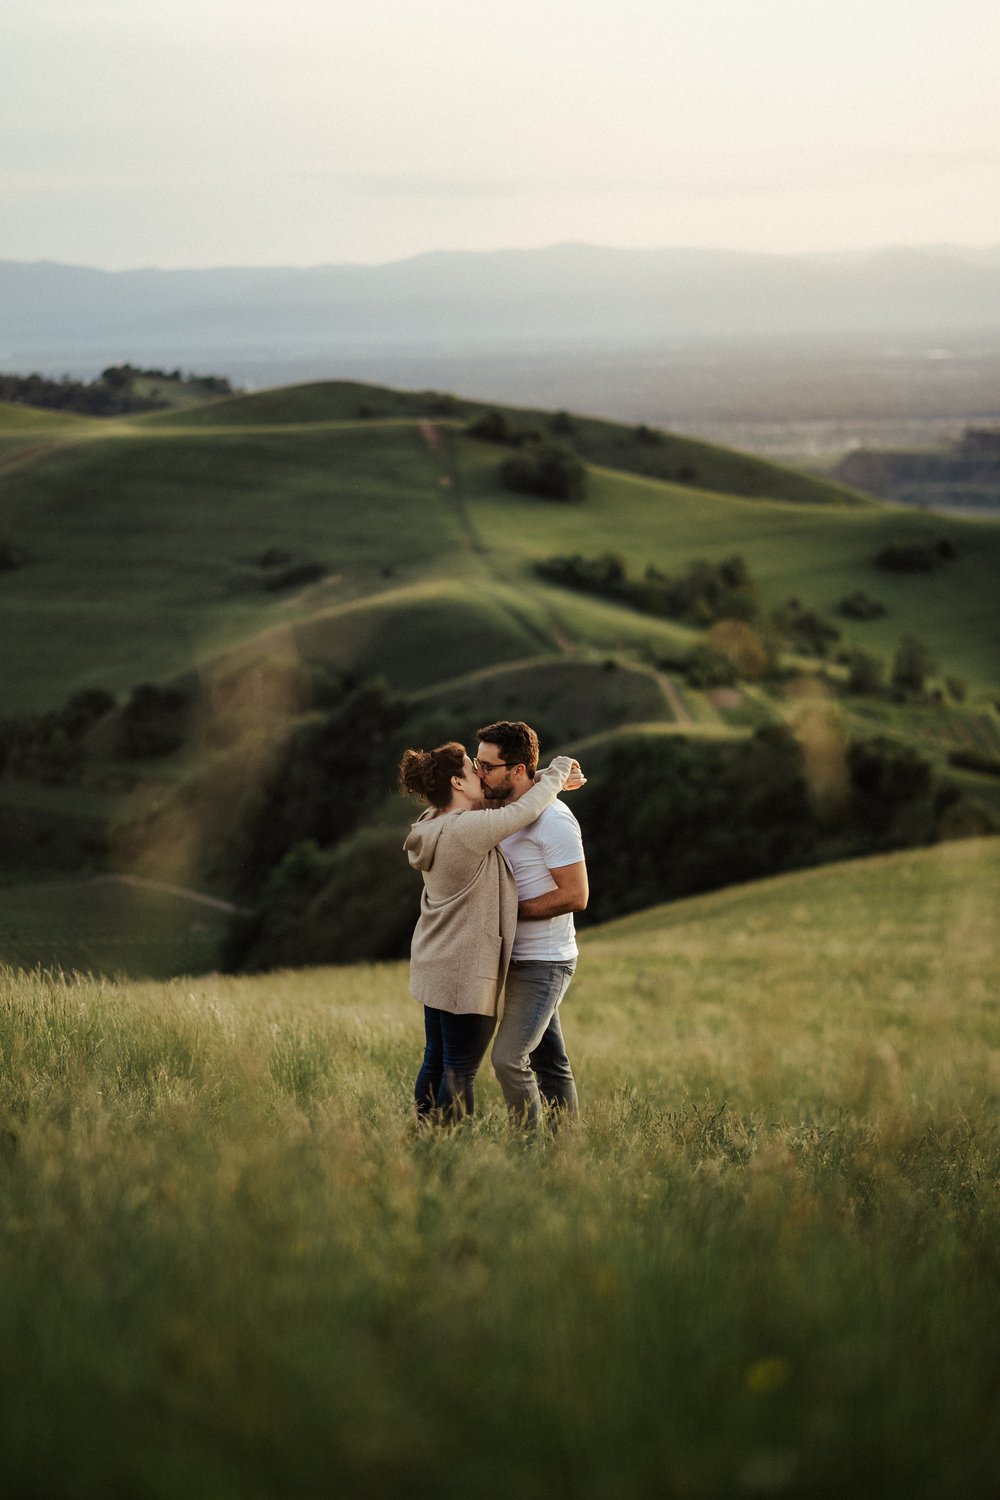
pixel 551 841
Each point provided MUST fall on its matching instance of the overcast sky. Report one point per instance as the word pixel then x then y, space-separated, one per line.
pixel 297 132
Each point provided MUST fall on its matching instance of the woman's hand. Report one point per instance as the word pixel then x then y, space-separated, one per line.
pixel 575 778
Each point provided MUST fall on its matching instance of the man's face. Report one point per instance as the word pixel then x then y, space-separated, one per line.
pixel 494 775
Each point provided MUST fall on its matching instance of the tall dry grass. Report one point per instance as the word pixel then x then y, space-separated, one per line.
pixel 766 1262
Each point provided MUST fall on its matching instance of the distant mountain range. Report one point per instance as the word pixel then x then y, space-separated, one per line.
pixel 242 321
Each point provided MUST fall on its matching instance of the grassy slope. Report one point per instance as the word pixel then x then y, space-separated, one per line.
pixel 190 504
pixel 105 926
pixel 144 536
pixel 766 1264
pixel 145 546
pixel 25 430
pixel 818 555
pixel 598 442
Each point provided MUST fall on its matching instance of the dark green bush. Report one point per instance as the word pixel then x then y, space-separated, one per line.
pixel 865 673
pixel 490 427
pixel 859 606
pixel 911 666
pixel 154 721
pixel 707 592
pixel 548 470
pixel 915 557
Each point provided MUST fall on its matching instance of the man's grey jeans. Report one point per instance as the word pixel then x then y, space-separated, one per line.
pixel 529 1055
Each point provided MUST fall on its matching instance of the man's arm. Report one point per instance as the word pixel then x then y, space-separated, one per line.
pixel 572 892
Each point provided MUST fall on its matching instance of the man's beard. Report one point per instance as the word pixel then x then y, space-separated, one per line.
pixel 498 792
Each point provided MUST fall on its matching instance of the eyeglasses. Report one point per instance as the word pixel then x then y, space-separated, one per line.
pixel 486 767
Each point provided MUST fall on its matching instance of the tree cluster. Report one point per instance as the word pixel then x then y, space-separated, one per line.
pixel 111 395
pixel 705 593
pixel 549 470
pixel 50 747
pixel 667 818
pixel 543 467
pixel 915 557
pixel 860 606
pixel 805 629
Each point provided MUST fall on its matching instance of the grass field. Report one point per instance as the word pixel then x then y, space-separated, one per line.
pixel 105 925
pixel 765 1264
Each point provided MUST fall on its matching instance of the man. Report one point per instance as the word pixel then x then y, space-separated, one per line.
pixel 529 1055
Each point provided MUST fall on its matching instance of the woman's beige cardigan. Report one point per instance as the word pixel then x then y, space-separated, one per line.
pixel 468 909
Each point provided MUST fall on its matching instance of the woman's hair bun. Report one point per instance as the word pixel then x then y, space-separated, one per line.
pixel 427 773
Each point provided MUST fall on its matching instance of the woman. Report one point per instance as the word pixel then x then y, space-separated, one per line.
pixel 468 912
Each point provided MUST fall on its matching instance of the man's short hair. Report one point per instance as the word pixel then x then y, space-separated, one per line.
pixel 516 741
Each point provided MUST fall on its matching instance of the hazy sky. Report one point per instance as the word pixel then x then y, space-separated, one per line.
pixel 250 132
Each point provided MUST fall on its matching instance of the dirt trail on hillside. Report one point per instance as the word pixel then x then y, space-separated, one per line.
pixel 25 455
pixel 448 480
pixel 676 703
pixel 437 442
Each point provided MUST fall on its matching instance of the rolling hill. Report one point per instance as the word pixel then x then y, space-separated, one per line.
pixel 250 555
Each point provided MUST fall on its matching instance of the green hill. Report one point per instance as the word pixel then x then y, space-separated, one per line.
pixel 642 450
pixel 246 562
pixel 147 537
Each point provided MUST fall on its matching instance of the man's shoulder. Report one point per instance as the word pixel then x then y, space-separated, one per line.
pixel 555 815
pixel 557 834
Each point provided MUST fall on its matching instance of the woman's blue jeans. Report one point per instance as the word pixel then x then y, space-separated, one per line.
pixel 454 1046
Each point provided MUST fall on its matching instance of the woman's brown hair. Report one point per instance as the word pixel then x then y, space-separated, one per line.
pixel 428 773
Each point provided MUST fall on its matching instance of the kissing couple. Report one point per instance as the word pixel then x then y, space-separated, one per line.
pixel 503 870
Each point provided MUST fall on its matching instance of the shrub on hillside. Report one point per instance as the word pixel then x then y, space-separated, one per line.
pixel 807 630
pixel 960 816
pixel 490 427
pixel 548 470
pixel 155 721
pixel 605 574
pixel 911 666
pixel 859 606
pixel 708 668
pixel 865 673
pixel 751 653
pixel 891 784
pixel 438 403
pixel 706 593
pixel 50 747
pixel 84 710
pixel 915 557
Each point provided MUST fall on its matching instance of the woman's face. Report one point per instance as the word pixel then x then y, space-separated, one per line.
pixel 471 785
